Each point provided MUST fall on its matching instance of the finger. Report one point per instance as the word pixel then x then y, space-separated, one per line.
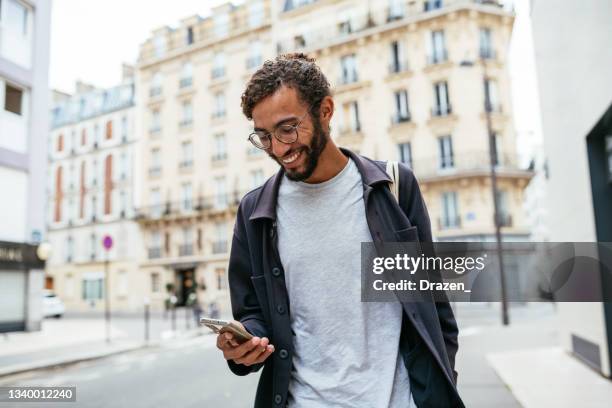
pixel 223 340
pixel 254 354
pixel 263 356
pixel 238 352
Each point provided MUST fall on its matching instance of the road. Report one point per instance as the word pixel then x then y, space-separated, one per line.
pixel 182 373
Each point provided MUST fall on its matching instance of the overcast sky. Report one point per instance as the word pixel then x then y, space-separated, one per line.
pixel 91 38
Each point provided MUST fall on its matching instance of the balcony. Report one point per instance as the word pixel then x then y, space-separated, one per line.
pixel 487 53
pixel 185 82
pixel 397 67
pixel 179 210
pixel 155 130
pixel 398 118
pixel 449 221
pixel 218 157
pixel 395 13
pixel 438 111
pixel 466 164
pixel 186 250
pixel 155 252
pixel 219 247
pixel 186 165
pixel 437 57
pixel 430 5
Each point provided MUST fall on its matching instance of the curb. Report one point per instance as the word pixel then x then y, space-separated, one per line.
pixel 61 362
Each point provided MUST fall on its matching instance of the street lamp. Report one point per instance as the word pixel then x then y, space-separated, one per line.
pixel 494 191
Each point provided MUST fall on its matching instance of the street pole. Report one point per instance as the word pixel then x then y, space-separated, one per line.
pixel 147 318
pixel 107 316
pixel 496 215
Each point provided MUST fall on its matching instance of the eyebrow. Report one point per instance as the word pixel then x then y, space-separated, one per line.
pixel 279 123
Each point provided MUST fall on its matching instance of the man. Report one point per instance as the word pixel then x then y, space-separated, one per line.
pixel 294 269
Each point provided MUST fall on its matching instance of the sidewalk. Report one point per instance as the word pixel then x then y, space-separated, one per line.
pixel 69 341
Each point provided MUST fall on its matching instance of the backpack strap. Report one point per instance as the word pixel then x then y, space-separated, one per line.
pixel 393 172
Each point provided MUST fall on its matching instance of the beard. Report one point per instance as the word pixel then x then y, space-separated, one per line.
pixel 312 153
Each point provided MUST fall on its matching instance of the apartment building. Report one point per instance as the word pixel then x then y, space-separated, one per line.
pixel 93 151
pixel 409 81
pixel 24 61
pixel 24 29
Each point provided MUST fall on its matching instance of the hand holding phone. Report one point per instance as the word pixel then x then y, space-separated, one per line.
pixel 236 346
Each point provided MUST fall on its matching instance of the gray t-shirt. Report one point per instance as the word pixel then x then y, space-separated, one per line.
pixel 346 351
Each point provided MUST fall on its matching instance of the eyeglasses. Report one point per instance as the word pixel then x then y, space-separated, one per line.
pixel 286 133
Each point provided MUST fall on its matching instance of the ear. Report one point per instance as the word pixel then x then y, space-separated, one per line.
pixel 327 110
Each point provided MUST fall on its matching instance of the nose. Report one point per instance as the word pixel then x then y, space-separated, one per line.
pixel 279 149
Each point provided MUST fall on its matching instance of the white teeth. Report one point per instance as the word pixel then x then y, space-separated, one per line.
pixel 291 158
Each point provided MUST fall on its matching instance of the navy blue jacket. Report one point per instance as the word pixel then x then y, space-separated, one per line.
pixel 428 341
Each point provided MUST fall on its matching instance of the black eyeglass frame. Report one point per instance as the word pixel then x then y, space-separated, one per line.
pixel 268 137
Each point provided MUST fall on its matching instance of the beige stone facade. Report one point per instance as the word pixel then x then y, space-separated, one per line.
pixel 408 81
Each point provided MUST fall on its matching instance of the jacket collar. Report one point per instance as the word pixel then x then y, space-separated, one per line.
pixel 265 207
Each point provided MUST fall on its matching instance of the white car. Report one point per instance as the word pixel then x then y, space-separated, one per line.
pixel 52 305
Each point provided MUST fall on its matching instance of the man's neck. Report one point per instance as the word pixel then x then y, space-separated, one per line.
pixel 331 162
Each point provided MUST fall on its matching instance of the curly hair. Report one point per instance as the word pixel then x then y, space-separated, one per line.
pixel 295 70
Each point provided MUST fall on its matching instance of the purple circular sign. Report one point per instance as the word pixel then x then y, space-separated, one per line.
pixel 107 242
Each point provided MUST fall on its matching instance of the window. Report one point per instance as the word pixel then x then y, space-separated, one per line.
pixel 221 23
pixel 59 193
pixel 432 4
pixel 93 288
pixel 219 105
pixel 13 99
pixel 354 116
pixel 155 166
pixel 255 55
pixel 123 202
pixel 397 58
pixel 450 210
pixel 123 166
pixel 124 128
pixel 96 135
pixel 491 98
pixel 187 112
pixel 159 43
pixel 396 10
pixel 83 137
pixel 402 114
pixel 187 155
pixel 69 249
pixel 155 121
pixel 155 245
pixel 486 43
pixel 108 185
pixel 69 286
pixel 497 144
pixel 220 242
pixel 345 25
pixel 82 190
pixel 348 64
pixel 155 200
pixel 437 48
pixel 221 279
pixel 60 142
pixel 109 130
pixel 405 153
pixel 186 197
pixel 445 152
pixel 186 248
pixel 218 65
pixel 257 178
pixel 256 13
pixel 155 282
pixel 93 247
pixel 156 84
pixel 189 37
pixel 504 216
pixel 220 147
pixel 442 106
pixel 220 192
pixel 186 75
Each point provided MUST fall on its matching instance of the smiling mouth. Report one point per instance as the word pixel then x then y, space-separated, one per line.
pixel 292 158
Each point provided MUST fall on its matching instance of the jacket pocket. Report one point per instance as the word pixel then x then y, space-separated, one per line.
pixel 410 234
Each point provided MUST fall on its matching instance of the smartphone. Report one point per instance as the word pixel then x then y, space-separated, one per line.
pixel 222 326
